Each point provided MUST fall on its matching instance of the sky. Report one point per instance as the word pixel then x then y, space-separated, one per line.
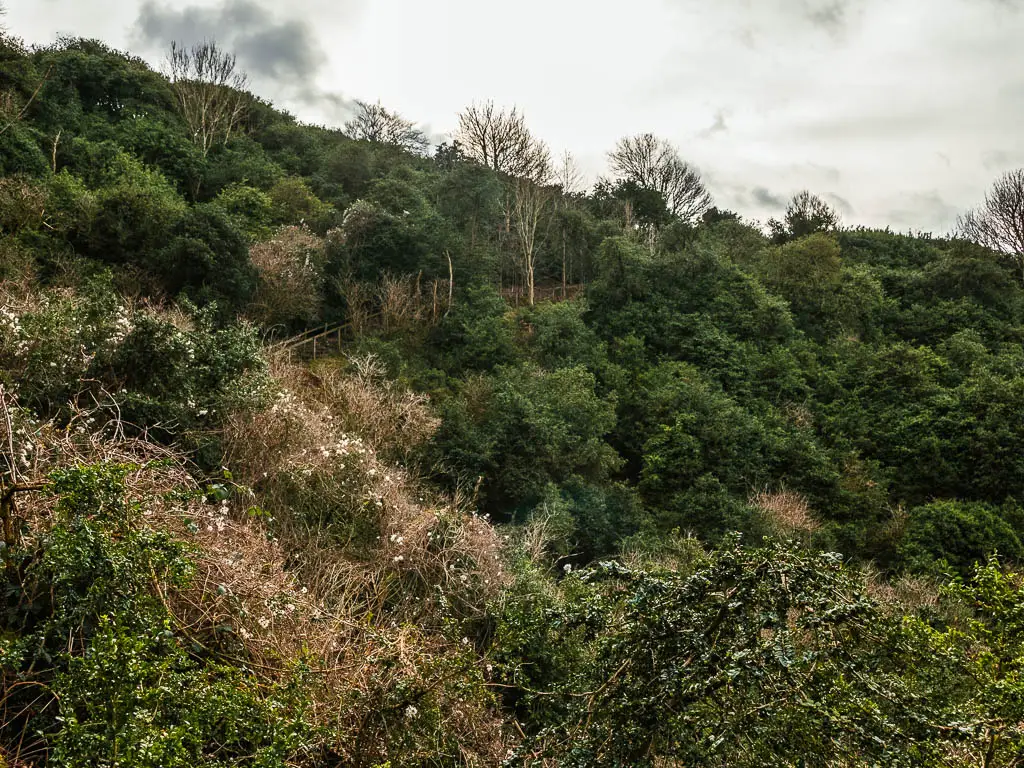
pixel 901 113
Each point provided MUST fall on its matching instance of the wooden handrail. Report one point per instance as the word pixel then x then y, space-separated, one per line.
pixel 310 335
pixel 313 334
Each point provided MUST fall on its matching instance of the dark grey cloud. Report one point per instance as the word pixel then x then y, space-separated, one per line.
pixel 284 56
pixel 843 205
pixel 764 197
pixel 287 50
pixel 265 45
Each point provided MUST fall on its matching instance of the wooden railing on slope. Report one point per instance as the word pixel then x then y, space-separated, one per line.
pixel 309 344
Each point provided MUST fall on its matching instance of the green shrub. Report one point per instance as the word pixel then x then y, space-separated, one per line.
pixel 105 676
pixel 755 657
pixel 957 536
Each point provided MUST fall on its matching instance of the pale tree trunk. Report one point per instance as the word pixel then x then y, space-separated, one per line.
pixel 564 249
pixel 530 203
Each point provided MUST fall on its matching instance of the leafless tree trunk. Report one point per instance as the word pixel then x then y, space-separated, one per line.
pixel 570 179
pixel 500 140
pixel 375 123
pixel 56 144
pixel 565 251
pixel 999 222
pixel 210 91
pixel 568 175
pixel 451 283
pixel 530 202
pixel 654 163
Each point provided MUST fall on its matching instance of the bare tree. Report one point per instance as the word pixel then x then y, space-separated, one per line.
pixel 500 140
pixel 653 163
pixel 210 91
pixel 569 179
pixel 568 175
pixel 376 123
pixel 999 222
pixel 531 200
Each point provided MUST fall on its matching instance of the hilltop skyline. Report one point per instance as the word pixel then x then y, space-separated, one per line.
pixel 900 113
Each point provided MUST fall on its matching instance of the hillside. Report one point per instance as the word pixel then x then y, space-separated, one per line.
pixel 568 477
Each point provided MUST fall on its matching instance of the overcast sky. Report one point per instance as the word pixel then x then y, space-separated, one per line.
pixel 901 112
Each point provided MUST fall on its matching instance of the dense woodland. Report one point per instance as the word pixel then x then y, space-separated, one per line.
pixel 571 477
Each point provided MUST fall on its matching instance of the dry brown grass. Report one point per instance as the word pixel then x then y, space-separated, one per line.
pixel 405 558
pixel 386 665
pixel 18 293
pixel 679 552
pixel 316 459
pixel 392 419
pixel 18 270
pixel 401 301
pixel 395 302
pixel 290 277
pixel 799 415
pixel 786 511
pixel 905 594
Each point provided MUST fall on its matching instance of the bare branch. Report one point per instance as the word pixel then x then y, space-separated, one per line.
pixel 28 104
pixel 531 200
pixel 568 175
pixel 999 222
pixel 376 123
pixel 654 163
pixel 500 140
pixel 210 90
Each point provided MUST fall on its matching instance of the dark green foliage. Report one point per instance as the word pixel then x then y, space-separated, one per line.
pixel 587 520
pixel 19 153
pixel 162 144
pixel 524 428
pixel 166 379
pixel 753 657
pixel 187 378
pixel 559 337
pixel 806 214
pixel 89 79
pixel 134 215
pixel 475 335
pixel 241 161
pixel 250 208
pixel 207 260
pixel 950 535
